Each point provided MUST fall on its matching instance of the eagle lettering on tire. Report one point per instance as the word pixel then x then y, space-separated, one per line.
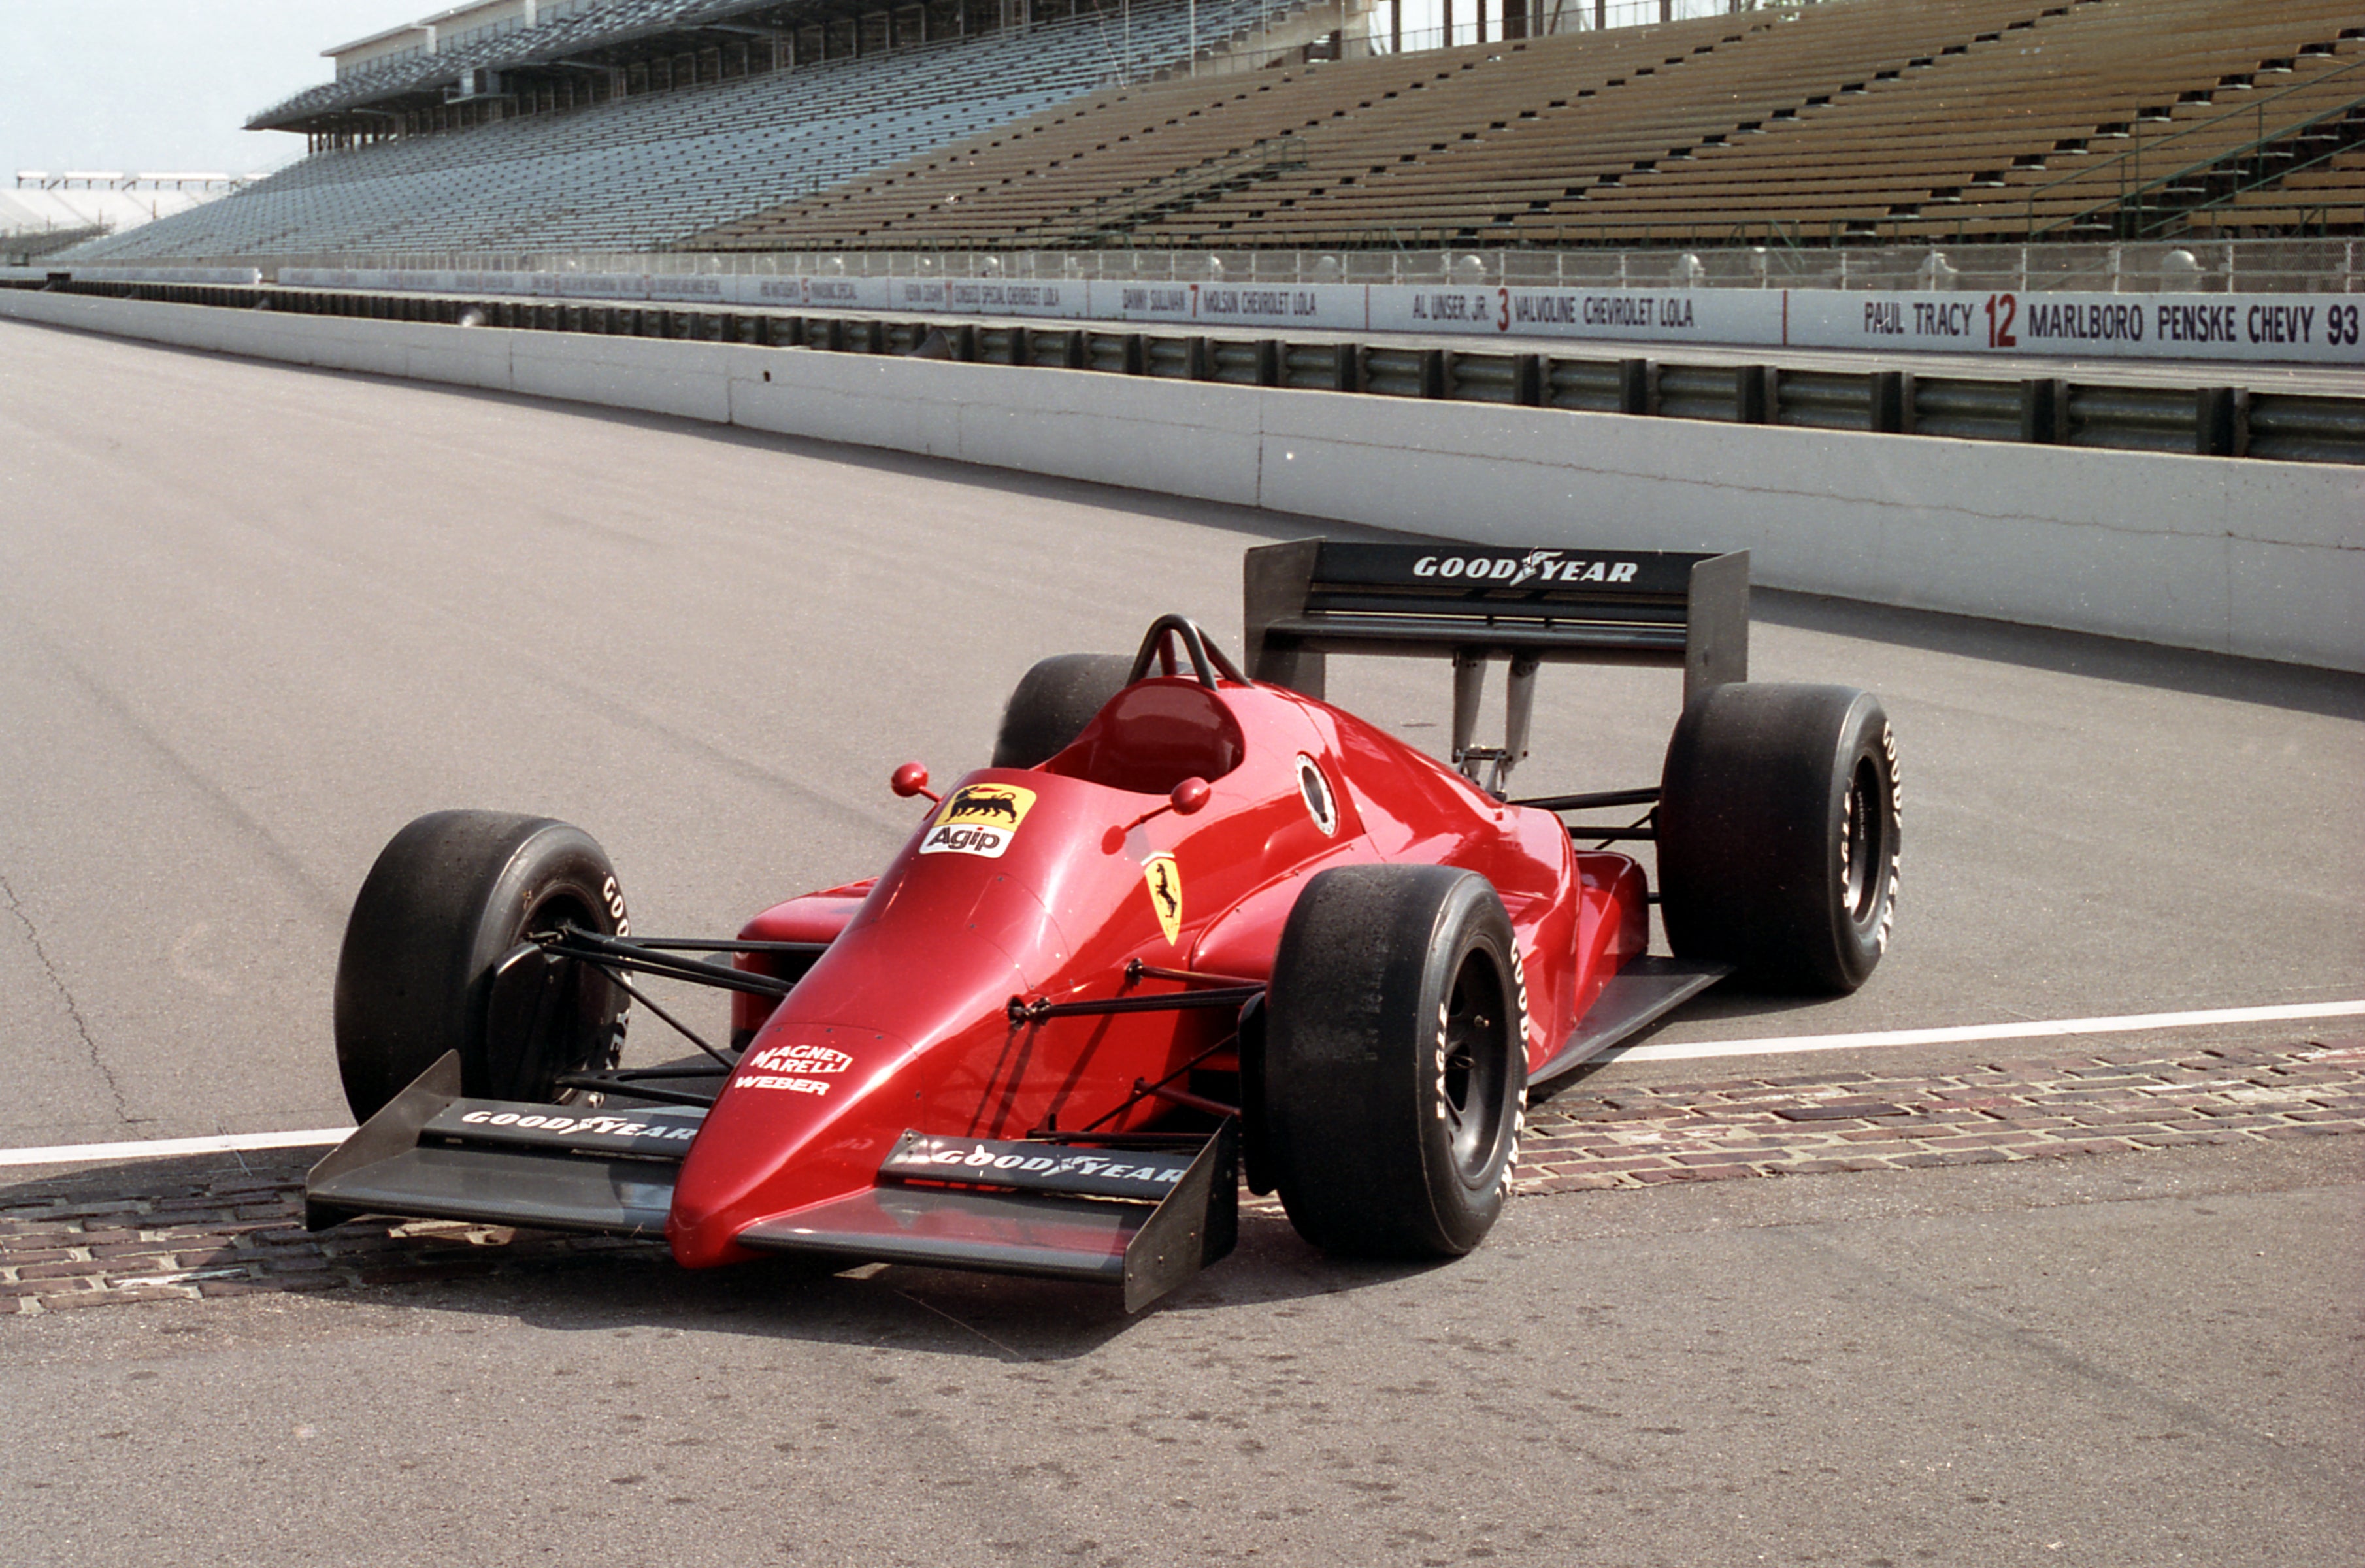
pixel 1896 835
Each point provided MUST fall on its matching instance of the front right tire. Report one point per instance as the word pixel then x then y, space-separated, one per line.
pixel 452 898
pixel 1053 702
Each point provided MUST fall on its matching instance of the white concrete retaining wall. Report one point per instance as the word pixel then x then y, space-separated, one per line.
pixel 2242 556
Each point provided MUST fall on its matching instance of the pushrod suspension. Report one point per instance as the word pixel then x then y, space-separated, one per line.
pixel 622 953
pixel 1025 1012
pixel 1648 795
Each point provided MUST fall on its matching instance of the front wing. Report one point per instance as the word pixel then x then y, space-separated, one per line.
pixel 1143 1212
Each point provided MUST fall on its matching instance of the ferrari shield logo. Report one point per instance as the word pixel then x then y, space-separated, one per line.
pixel 1164 879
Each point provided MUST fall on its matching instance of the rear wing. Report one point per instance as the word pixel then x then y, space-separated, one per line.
pixel 1311 598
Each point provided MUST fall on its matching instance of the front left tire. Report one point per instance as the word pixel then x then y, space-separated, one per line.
pixel 1394 1061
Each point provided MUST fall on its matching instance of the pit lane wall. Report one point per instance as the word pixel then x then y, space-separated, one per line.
pixel 2250 557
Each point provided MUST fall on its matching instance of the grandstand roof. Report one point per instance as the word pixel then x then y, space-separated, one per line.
pixel 566 38
pixel 379 37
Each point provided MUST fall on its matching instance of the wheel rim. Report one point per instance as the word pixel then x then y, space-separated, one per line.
pixel 1473 1067
pixel 568 1027
pixel 1864 849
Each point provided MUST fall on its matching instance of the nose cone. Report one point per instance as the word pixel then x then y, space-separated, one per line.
pixel 794 1125
pixel 904 1022
pixel 849 1062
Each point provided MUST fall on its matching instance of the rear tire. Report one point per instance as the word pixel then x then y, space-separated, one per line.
pixel 1779 829
pixel 1394 1071
pixel 1053 704
pixel 451 897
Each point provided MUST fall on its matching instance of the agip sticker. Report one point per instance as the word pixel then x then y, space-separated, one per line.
pixel 979 819
pixel 1165 880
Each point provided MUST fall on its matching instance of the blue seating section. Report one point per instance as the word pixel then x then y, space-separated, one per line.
pixel 639 173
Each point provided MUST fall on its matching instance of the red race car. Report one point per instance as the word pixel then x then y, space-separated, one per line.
pixel 1192 925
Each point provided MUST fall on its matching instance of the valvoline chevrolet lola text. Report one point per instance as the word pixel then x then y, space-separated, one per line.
pixel 1192 925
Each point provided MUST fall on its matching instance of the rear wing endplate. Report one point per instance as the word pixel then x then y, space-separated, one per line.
pixel 1311 597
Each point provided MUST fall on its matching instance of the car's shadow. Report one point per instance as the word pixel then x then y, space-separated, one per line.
pixel 1000 1317
pixel 1005 1317
pixel 549 1282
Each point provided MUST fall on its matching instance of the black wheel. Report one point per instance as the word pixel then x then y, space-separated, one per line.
pixel 1053 703
pixel 1778 833
pixel 449 903
pixel 1394 1071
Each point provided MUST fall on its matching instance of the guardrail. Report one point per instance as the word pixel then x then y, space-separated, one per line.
pixel 2218 420
pixel 2190 265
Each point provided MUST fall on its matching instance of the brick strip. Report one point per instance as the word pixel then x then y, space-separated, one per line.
pixel 64 1247
pixel 2102 1103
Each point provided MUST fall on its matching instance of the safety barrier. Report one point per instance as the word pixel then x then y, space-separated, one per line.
pixel 2246 328
pixel 2209 421
pixel 2231 328
pixel 2260 558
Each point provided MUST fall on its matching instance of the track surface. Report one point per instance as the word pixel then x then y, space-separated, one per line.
pixel 253 619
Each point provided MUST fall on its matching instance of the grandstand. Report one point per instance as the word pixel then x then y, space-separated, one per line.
pixel 1852 120
pixel 632 124
pixel 558 128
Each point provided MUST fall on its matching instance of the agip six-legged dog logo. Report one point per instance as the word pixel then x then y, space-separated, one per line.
pixel 979 819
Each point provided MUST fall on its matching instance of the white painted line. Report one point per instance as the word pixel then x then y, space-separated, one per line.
pixel 2127 1024
pixel 168 1148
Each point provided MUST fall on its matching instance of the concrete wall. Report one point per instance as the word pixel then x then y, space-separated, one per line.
pixel 2263 559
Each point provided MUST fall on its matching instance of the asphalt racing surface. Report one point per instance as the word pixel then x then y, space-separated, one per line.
pixel 253 619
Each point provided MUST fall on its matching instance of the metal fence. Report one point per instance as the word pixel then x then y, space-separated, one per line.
pixel 2250 266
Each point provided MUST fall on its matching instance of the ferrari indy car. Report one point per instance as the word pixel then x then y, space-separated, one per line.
pixel 1191 925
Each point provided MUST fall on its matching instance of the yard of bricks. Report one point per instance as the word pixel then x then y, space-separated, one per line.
pixel 128 1234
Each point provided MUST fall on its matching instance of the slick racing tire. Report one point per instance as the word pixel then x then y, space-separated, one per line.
pixel 452 896
pixel 1053 703
pixel 1394 1070
pixel 1778 831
